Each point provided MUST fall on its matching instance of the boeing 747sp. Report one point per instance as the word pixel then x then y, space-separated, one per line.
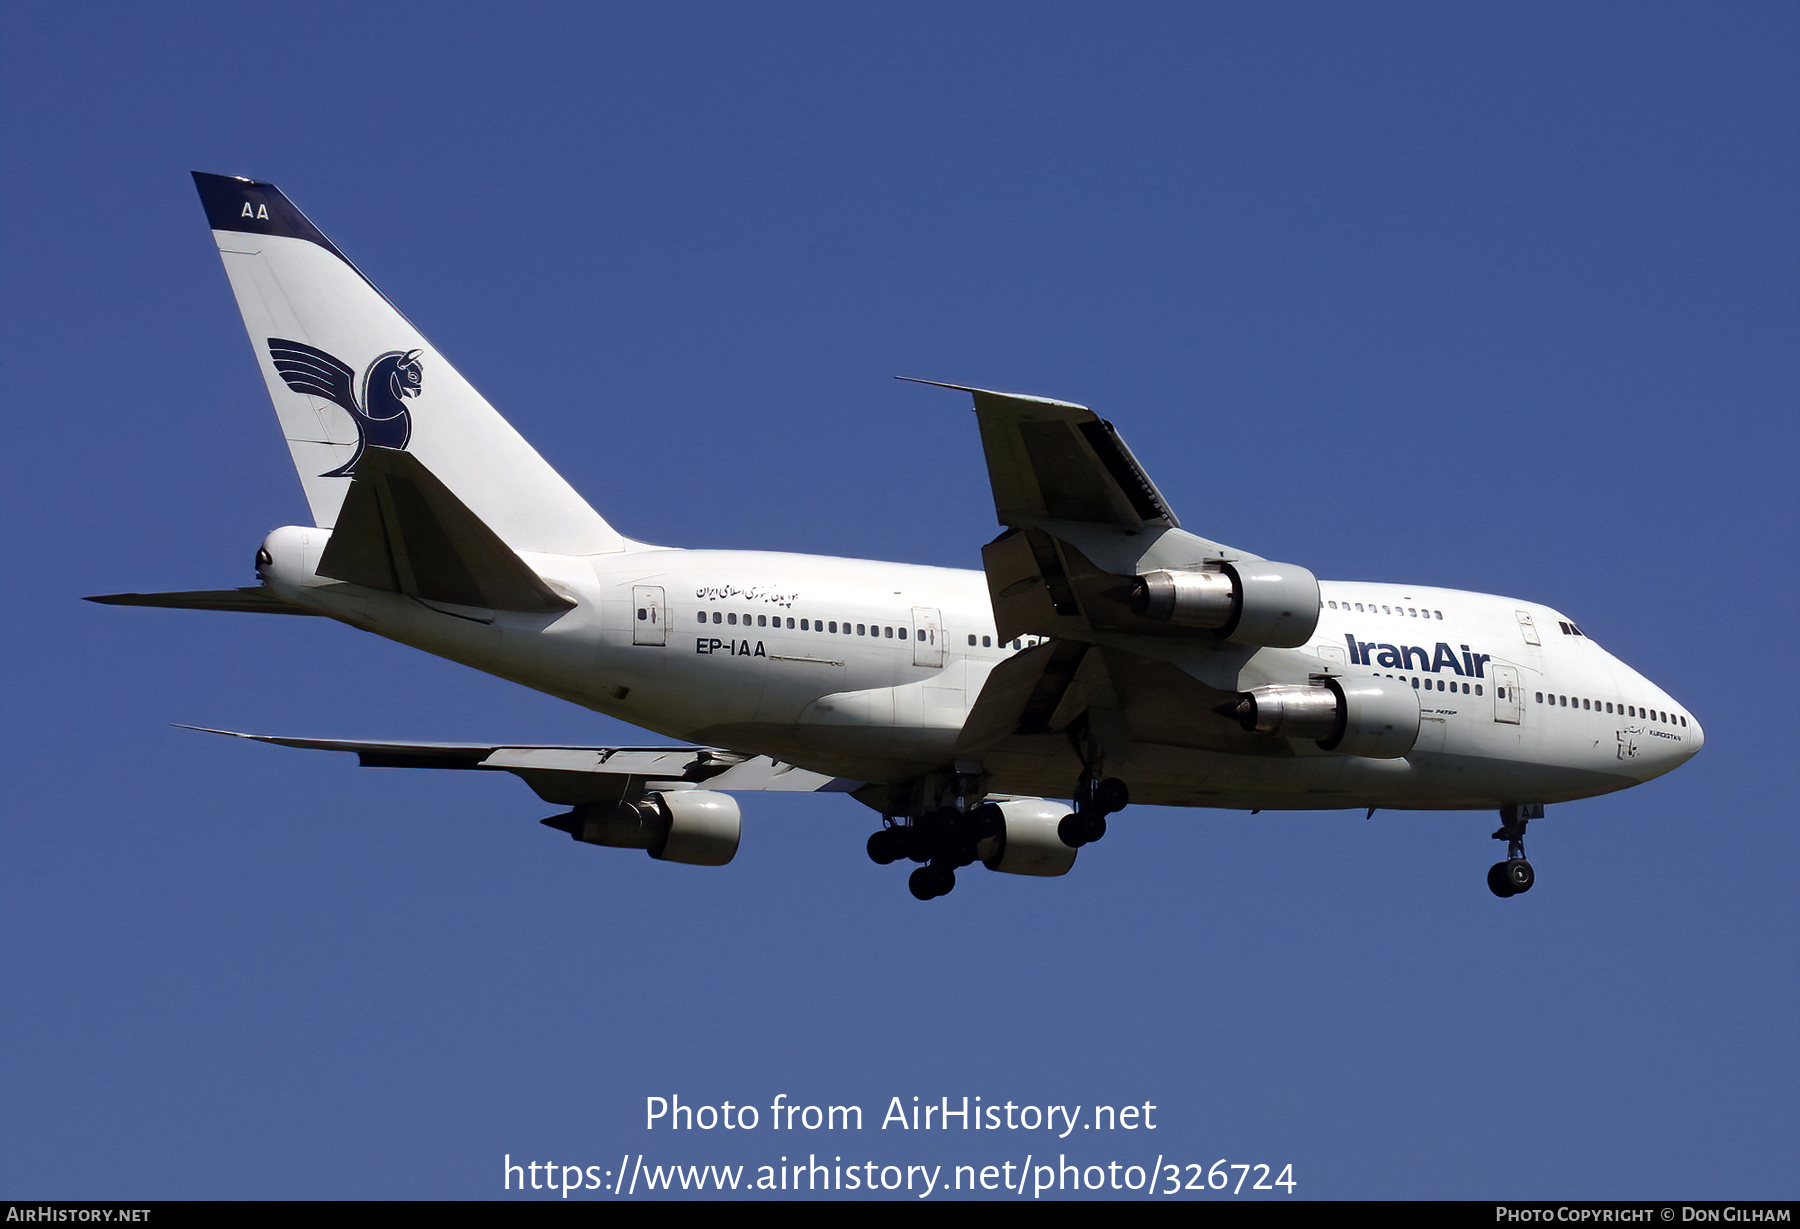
pixel 1104 654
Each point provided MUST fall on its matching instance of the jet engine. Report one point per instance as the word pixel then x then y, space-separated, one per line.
pixel 1265 604
pixel 1376 717
pixel 1022 837
pixel 694 826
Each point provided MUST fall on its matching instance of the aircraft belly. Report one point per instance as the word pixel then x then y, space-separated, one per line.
pixel 1161 775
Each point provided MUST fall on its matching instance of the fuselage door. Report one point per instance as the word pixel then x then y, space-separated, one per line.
pixel 1509 705
pixel 928 636
pixel 1527 628
pixel 649 623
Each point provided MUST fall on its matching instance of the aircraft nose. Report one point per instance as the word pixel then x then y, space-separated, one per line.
pixel 1696 735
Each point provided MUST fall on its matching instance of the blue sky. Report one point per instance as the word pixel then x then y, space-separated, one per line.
pixel 1495 298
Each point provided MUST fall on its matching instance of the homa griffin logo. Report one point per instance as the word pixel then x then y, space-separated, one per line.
pixel 381 418
pixel 1430 661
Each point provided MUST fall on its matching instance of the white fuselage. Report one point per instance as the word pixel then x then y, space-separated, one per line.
pixel 868 670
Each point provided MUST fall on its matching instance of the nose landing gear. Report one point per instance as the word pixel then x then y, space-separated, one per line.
pixel 1513 876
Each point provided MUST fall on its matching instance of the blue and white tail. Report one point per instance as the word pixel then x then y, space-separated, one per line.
pixel 348 372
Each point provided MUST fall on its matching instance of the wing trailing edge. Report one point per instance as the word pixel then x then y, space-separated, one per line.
pixel 573 776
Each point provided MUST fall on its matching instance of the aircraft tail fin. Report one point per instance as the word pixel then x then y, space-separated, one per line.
pixel 349 375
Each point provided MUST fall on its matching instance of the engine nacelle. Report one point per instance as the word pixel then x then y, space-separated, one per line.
pixel 1024 839
pixel 1376 717
pixel 695 826
pixel 1265 604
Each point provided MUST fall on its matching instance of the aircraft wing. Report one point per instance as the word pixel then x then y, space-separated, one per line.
pixel 1083 522
pixel 571 776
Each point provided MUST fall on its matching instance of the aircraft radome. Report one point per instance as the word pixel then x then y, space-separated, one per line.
pixel 1105 654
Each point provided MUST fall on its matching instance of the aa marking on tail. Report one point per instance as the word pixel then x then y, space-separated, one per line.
pixel 382 418
pixel 261 211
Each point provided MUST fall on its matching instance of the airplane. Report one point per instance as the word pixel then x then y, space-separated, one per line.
pixel 1104 655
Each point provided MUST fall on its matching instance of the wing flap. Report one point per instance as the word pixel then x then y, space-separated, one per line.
pixel 1023 695
pixel 1166 705
pixel 1055 460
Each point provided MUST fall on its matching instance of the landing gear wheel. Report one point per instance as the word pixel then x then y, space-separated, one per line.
pixel 1111 796
pixel 1514 875
pixel 887 846
pixel 1081 828
pixel 917 847
pixel 1498 882
pixel 929 882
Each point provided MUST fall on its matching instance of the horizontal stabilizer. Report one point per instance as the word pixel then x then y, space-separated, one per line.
pixel 252 599
pixel 401 530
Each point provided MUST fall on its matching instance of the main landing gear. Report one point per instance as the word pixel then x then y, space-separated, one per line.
pixel 1095 799
pixel 951 827
pixel 1513 876
pixel 943 839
